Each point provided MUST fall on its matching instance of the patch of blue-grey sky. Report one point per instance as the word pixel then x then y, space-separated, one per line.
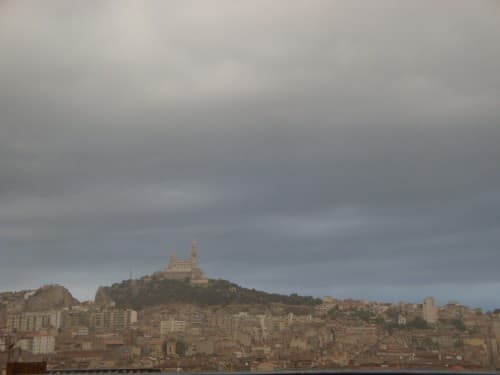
pixel 321 147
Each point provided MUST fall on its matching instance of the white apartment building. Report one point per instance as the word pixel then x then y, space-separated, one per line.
pixel 172 326
pixel 402 320
pixel 113 319
pixel 82 331
pixel 43 344
pixel 34 321
pixel 25 344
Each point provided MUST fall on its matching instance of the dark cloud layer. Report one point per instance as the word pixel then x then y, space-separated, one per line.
pixel 328 148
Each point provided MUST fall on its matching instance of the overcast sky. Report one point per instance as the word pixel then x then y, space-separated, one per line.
pixel 326 148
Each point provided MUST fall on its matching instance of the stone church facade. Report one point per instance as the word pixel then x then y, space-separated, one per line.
pixel 178 269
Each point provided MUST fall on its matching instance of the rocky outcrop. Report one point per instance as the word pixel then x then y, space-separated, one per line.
pixel 102 297
pixel 49 297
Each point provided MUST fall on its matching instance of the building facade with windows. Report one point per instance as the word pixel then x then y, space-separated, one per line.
pixel 114 319
pixel 43 344
pixel 33 321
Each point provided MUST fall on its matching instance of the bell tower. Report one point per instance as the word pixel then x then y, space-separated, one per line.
pixel 194 253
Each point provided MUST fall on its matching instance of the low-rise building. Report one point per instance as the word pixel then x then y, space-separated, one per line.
pixel 172 326
pixel 25 344
pixel 43 344
pixel 401 320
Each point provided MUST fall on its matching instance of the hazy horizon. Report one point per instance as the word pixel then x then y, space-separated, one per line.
pixel 84 295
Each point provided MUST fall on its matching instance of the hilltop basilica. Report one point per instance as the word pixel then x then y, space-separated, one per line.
pixel 178 269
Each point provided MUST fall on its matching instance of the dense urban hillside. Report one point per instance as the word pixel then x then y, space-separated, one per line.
pixel 147 292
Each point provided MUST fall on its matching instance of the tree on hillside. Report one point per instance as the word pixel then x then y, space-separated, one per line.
pixel 181 348
pixel 418 323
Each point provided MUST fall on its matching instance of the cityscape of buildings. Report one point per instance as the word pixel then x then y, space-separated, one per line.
pixel 335 333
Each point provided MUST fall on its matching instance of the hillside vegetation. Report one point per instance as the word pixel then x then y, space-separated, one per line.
pixel 147 292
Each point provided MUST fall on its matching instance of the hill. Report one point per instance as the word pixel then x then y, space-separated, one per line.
pixel 48 297
pixel 152 291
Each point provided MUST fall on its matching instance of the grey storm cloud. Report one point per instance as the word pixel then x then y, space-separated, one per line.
pixel 334 148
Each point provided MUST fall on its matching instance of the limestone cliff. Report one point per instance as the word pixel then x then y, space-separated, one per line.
pixel 49 297
pixel 102 297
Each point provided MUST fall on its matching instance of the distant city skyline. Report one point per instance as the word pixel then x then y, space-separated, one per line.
pixel 182 269
pixel 161 322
